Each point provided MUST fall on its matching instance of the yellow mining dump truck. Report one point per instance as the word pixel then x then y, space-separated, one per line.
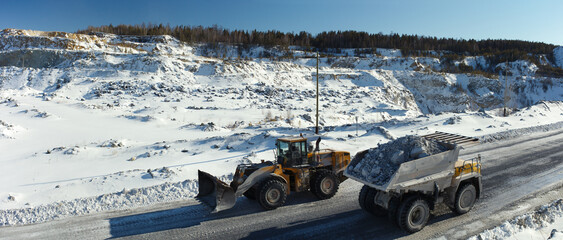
pixel 418 185
pixel 298 167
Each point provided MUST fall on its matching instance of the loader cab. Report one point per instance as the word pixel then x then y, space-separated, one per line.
pixel 292 151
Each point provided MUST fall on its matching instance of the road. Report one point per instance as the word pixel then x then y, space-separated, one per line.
pixel 518 175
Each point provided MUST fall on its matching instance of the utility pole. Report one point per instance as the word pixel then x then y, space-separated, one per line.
pixel 505 89
pixel 317 122
pixel 356 126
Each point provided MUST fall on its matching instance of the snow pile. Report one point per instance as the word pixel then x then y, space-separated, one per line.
pixel 377 165
pixel 514 133
pixel 8 130
pixel 127 198
pixel 545 223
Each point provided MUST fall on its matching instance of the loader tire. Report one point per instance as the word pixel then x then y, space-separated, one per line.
pixel 465 199
pixel 413 214
pixel 271 194
pixel 250 193
pixel 325 184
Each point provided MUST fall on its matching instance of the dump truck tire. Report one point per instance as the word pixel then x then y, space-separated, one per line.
pixel 392 209
pixel 272 194
pixel 250 193
pixel 371 205
pixel 465 199
pixel 325 184
pixel 362 197
pixel 367 201
pixel 413 214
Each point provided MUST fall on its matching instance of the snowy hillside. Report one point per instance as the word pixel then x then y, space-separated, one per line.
pixel 98 122
pixel 558 52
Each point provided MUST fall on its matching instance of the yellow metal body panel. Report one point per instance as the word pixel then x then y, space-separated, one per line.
pixel 466 167
pixel 298 177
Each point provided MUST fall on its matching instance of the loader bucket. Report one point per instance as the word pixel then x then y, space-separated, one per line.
pixel 215 193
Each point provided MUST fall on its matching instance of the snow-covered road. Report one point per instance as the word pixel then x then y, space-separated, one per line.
pixel 518 175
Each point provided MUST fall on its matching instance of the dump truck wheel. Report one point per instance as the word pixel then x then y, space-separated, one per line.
pixel 371 205
pixel 413 214
pixel 465 199
pixel 325 184
pixel 362 197
pixel 272 194
pixel 367 203
pixel 392 211
pixel 250 193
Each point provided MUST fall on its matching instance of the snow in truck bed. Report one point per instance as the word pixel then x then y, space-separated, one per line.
pixel 377 165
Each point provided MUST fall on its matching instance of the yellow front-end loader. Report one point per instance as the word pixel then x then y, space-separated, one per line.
pixel 298 167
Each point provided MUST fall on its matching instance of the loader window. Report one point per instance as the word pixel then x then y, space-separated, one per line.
pixel 283 148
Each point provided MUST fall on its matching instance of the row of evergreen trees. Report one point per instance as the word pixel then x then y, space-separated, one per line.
pixel 411 45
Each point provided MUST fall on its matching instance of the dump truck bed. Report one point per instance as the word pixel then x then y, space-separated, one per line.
pixel 427 173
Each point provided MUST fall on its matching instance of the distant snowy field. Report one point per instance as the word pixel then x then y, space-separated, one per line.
pixel 96 123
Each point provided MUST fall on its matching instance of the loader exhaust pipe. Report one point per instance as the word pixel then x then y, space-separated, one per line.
pixel 215 193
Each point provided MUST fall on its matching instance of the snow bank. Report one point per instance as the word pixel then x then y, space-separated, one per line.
pixel 377 165
pixel 514 133
pixel 9 130
pixel 127 198
pixel 545 223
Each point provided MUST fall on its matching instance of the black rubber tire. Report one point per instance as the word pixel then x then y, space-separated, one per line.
pixel 465 199
pixel 272 194
pixel 374 209
pixel 325 184
pixel 392 209
pixel 362 197
pixel 250 193
pixel 413 214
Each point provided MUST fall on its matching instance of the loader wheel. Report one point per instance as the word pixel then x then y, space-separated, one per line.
pixel 413 214
pixel 272 194
pixel 250 193
pixel 325 184
pixel 465 199
pixel 367 201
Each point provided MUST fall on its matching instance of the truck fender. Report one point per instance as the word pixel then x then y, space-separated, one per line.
pixel 257 177
pixel 476 181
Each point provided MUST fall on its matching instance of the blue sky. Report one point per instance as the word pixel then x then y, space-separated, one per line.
pixel 539 21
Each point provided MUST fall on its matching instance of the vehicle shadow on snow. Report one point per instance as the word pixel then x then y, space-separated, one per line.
pixel 188 216
pixel 355 224
pixel 191 216
pixel 156 221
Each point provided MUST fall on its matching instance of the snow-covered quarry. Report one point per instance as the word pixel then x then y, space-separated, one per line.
pixel 91 123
